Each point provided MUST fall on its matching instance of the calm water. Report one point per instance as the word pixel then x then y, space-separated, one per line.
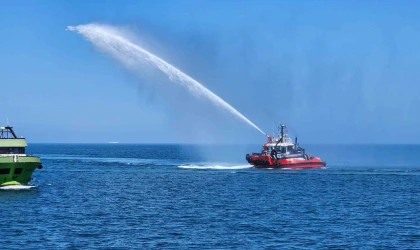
pixel 174 196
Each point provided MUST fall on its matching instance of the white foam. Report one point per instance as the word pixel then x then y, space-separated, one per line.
pixel 110 40
pixel 17 187
pixel 218 167
pixel 128 161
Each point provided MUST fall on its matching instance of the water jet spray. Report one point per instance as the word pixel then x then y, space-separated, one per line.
pixel 109 40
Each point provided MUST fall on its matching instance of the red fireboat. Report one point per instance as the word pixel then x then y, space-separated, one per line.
pixel 281 152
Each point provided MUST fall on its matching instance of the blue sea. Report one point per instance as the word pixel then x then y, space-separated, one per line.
pixel 128 196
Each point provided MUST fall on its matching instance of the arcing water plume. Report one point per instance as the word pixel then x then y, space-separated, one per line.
pixel 110 40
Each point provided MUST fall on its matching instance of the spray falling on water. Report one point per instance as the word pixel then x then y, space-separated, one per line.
pixel 111 41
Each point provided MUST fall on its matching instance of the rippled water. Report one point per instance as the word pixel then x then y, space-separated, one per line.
pixel 185 196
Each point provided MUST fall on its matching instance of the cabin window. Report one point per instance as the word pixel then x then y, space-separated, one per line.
pixel 12 150
pixel 4 170
pixel 18 170
pixel 282 150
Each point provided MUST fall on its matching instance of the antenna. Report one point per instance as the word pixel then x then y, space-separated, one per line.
pixel 7 121
pixel 273 130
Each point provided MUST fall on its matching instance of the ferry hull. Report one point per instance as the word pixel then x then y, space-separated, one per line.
pixel 15 173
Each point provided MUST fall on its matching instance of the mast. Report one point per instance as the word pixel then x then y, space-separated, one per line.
pixel 11 131
pixel 282 132
pixel 4 133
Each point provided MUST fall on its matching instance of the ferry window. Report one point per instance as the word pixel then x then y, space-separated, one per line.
pixel 12 150
pixel 4 170
pixel 18 170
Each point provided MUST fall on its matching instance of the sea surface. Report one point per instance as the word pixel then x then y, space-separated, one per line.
pixel 128 196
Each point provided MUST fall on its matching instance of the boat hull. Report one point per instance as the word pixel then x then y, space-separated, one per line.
pixel 299 162
pixel 15 172
pixel 295 165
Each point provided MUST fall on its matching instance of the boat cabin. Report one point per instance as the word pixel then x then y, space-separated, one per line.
pixel 282 145
pixel 10 143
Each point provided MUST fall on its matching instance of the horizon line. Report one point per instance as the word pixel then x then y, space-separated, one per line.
pixel 200 143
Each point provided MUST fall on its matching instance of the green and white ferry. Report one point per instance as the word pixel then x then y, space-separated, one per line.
pixel 16 167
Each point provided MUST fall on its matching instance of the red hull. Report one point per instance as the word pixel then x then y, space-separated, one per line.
pixel 268 162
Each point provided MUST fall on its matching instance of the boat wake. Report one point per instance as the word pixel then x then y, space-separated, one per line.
pixel 110 160
pixel 17 187
pixel 218 167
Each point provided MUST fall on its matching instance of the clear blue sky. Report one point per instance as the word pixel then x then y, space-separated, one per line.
pixel 335 71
